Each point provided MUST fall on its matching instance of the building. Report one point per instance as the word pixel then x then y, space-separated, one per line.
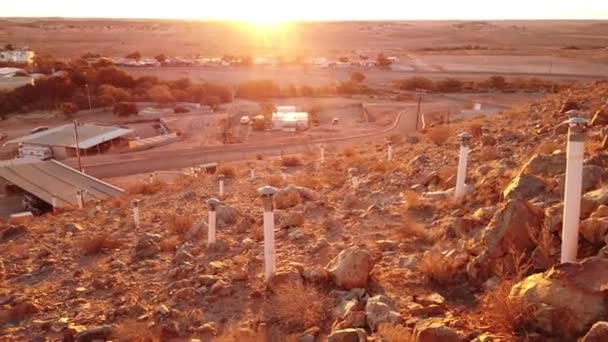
pixel 60 143
pixel 20 56
pixel 286 118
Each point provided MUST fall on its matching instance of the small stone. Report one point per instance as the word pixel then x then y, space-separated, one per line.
pixel 221 289
pixel 162 310
pixel 348 335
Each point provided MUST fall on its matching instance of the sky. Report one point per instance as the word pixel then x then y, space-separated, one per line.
pixel 269 11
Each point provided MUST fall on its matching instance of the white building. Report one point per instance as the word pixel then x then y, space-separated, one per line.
pixel 23 56
pixel 286 118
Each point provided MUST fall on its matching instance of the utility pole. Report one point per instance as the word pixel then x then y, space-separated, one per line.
pixel 77 145
pixel 420 93
pixel 89 96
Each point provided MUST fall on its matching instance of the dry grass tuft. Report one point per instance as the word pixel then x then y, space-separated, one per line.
pixel 310 181
pixel 276 181
pixel 415 201
pixel 349 152
pixel 146 188
pixel 504 315
pixel 412 229
pixel 395 138
pixel 475 129
pixel 389 332
pixel 96 243
pixel 227 171
pixel 169 243
pixel 179 224
pixel 132 331
pixel 439 267
pixel 291 161
pixel 298 307
pixel 548 147
pixel 488 154
pixel 439 135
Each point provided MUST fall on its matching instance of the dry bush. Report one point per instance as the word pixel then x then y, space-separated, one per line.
pixel 412 229
pixel 334 178
pixel 439 267
pixel 132 331
pixel 227 171
pixel 504 315
pixel 95 243
pixel 415 201
pixel 179 224
pixel 291 161
pixel 439 135
pixel 475 129
pixel 169 243
pixel 297 307
pixel 395 138
pixel 390 332
pixel 291 199
pixel 488 154
pixel 119 202
pixel 276 181
pixel 382 166
pixel 545 242
pixel 146 188
pixel 310 181
pixel 349 152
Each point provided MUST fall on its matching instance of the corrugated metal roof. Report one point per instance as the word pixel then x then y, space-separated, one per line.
pixel 89 135
pixel 47 178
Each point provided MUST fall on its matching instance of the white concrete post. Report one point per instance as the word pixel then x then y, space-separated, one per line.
pixel 462 164
pixel 212 204
pixel 152 177
pixel 221 185
pixel 252 173
pixel 284 173
pixel 354 179
pixel 79 199
pixel 135 205
pixel 573 188
pixel 322 148
pixel 54 202
pixel 390 152
pixel 267 194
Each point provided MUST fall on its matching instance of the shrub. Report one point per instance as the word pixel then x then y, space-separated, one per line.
pixel 291 161
pixel 357 76
pixel 298 307
pixel 414 83
pixel 180 110
pixel 179 224
pixel 213 102
pixel 439 135
pixel 96 243
pixel 505 315
pixel 161 93
pixel 134 55
pixel 258 89
pixel 125 109
pixel 227 171
pixel 146 188
pixel 449 85
pixel 69 108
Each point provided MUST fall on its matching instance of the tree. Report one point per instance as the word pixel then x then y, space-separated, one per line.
pixel 115 77
pixel 416 82
pixel 104 101
pixel 357 76
pixel 161 58
pixel 9 47
pixel 258 89
pixel 449 85
pixel 497 82
pixel 343 59
pixel 69 108
pixel 117 94
pixel 383 61
pixel 213 102
pixel 134 55
pixel 266 109
pixel 160 93
pixel 125 109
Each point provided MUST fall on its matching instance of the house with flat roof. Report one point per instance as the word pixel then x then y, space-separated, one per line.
pixel 60 142
pixel 286 118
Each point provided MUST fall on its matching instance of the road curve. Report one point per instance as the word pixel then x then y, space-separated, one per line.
pixel 129 164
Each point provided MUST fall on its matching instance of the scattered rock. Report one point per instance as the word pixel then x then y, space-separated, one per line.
pixel 226 216
pixel 524 187
pixel 348 335
pixel 567 299
pixel 594 230
pixel 292 219
pixel 287 278
pixel 147 246
pixel 546 165
pixel 435 332
pixel 72 227
pixel 350 269
pixel 378 311
pixel 291 196
pixel 316 274
pixel 597 333
pixel 94 334
pixel 221 289
pixel 12 232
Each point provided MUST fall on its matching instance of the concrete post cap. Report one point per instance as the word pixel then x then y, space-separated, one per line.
pixel 574 113
pixel 465 136
pixel 214 201
pixel 221 176
pixel 267 190
pixel 135 202
pixel 576 121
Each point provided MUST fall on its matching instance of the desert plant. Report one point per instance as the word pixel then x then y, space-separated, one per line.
pixel 441 267
pixel 146 188
pixel 132 331
pixel 390 332
pixel 95 243
pixel 357 76
pixel 297 307
pixel 439 135
pixel 179 224
pixel 291 161
pixel 227 170
pixel 502 313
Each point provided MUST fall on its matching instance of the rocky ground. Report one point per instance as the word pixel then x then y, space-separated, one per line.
pixel 396 259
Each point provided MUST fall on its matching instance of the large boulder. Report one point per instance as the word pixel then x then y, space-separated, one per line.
pixel 524 187
pixel 567 299
pixel 226 216
pixel 592 200
pixel 350 269
pixel 594 229
pixel 597 333
pixel 378 311
pixel 593 176
pixel 546 165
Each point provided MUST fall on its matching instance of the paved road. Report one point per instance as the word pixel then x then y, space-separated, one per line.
pixel 106 166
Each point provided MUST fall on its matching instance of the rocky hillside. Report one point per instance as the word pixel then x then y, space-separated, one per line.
pixel 395 259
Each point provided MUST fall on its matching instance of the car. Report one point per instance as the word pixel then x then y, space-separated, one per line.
pixel 39 129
